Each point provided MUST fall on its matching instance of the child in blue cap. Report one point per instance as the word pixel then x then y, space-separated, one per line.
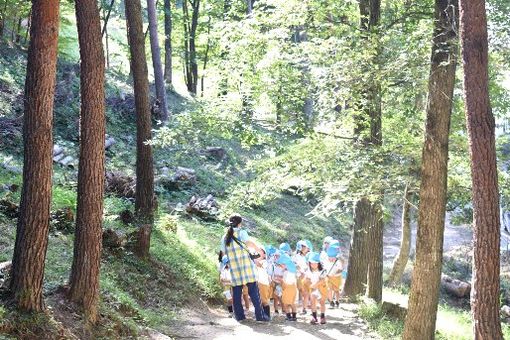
pixel 302 249
pixel 334 268
pixel 289 286
pixel 318 283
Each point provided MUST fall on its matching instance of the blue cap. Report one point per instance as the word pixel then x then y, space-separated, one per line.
pixel 309 245
pixel 333 251
pixel 287 261
pixel 285 247
pixel 300 245
pixel 224 260
pixel 314 258
pixel 270 250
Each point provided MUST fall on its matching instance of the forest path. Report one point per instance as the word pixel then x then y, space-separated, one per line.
pixel 215 324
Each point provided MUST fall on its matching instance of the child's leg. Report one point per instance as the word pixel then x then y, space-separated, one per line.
pixel 323 311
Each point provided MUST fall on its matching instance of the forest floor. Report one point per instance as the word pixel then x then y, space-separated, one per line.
pixel 213 323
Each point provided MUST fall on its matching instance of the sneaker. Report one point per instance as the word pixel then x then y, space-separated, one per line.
pixel 337 303
pixel 323 320
pixel 332 304
pixel 314 321
pixel 303 312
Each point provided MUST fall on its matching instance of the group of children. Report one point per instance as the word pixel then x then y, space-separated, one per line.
pixel 289 277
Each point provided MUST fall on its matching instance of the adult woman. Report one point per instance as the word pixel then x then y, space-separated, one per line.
pixel 235 244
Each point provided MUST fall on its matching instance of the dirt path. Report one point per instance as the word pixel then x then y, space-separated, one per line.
pixel 214 324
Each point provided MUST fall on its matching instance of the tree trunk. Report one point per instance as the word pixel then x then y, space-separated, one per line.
pixel 375 253
pixel 206 55
pixel 29 23
pixel 33 222
pixel 144 200
pixel 356 280
pixel 18 30
pixel 421 318
pixel 480 124
pixel 156 59
pixel 168 42
pixel 188 80
pixel 84 279
pixel 400 263
pixel 249 7
pixel 368 131
pixel 193 48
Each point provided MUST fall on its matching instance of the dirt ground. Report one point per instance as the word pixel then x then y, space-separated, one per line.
pixel 215 324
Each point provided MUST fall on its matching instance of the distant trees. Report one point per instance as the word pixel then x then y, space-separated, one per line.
pixel 481 126
pixel 84 279
pixel 144 201
pixel 420 322
pixel 33 222
pixel 156 60
pixel 168 41
pixel 190 49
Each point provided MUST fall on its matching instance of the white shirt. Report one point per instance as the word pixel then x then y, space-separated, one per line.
pixel 301 262
pixel 334 268
pixel 263 276
pixel 225 277
pixel 289 278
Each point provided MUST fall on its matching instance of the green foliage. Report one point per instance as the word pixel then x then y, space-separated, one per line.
pixel 386 327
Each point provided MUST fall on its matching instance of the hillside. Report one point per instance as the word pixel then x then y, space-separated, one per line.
pixel 181 273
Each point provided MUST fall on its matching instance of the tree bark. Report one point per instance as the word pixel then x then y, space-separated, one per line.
pixel 156 59
pixel 421 318
pixel 400 263
pixel 33 223
pixel 206 56
pixel 144 200
pixel 375 253
pixel 481 132
pixel 368 131
pixel 190 52
pixel 84 278
pixel 168 41
pixel 356 280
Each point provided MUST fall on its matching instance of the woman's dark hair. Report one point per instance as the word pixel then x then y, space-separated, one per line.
pixel 233 222
pixel 220 256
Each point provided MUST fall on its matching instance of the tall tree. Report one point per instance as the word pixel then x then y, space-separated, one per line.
pixel 420 322
pixel 168 41
pixel 190 49
pixel 84 279
pixel 400 262
pixel 33 223
pixel 366 254
pixel 156 59
pixel 480 124
pixel 144 200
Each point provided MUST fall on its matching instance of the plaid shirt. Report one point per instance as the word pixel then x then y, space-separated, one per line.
pixel 242 268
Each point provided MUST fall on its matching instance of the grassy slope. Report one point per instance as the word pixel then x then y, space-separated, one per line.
pixel 134 293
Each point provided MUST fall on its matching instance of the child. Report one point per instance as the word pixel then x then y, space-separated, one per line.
pixel 318 284
pixel 226 283
pixel 276 276
pixel 263 282
pixel 334 268
pixel 325 246
pixel 289 286
pixel 302 267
